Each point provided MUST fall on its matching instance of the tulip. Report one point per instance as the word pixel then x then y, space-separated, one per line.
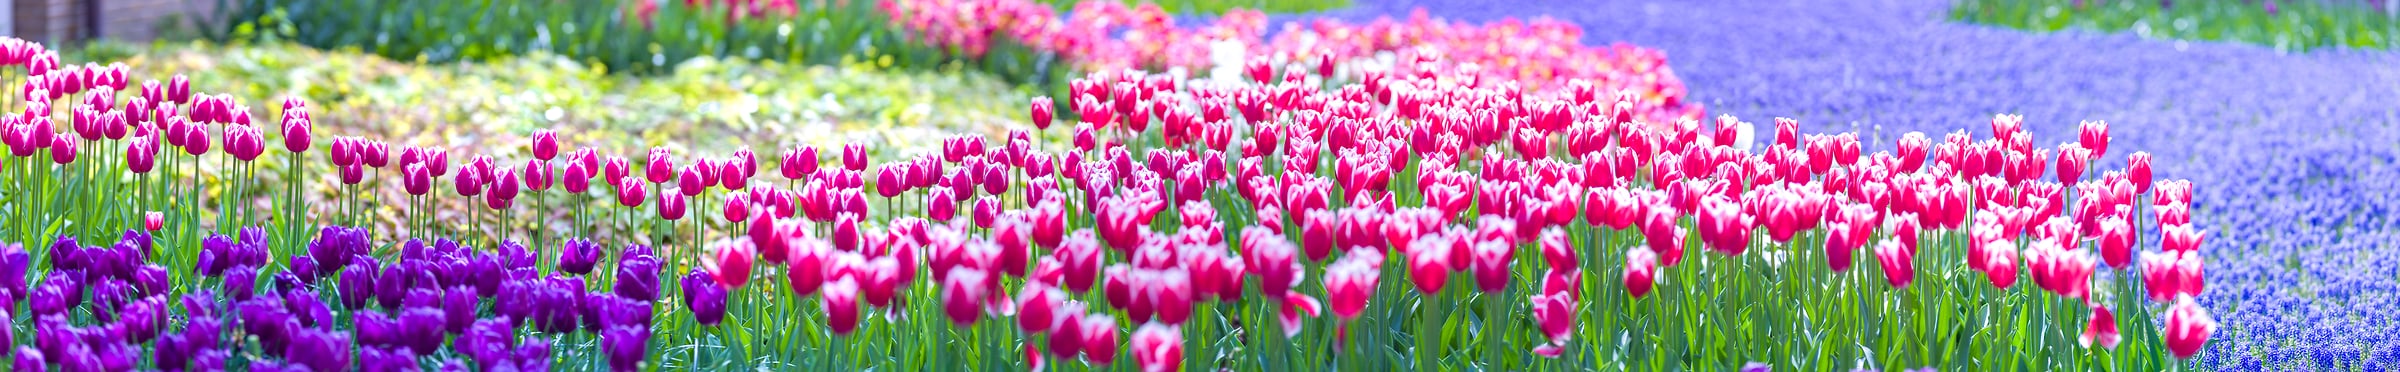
pixel 807 265
pixel 1641 270
pixel 416 179
pixel 153 220
pixel 963 295
pixel 854 157
pixel 840 302
pixel 625 346
pixel 2187 328
pixel 2093 135
pixel 1555 314
pixel 1350 281
pixel 545 145
pixel 730 264
pixel 1157 347
pixel 62 150
pixel 536 175
pixel 1898 263
pixel 799 162
pixel 1428 263
pixel 2102 328
pixel 704 298
pixel 1099 344
pixel 2000 263
pixel 670 205
pixel 630 193
pixel 1042 112
pixel 297 136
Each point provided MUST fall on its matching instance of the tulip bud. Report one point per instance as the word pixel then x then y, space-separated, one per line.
pixel 799 163
pixel 1043 112
pixel 690 183
pixel 670 205
pixel 630 192
pixel 661 168
pixel 62 150
pixel 545 145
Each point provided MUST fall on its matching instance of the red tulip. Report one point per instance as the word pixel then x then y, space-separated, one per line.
pixel 730 263
pixel 841 306
pixel 1158 348
pixel 1898 263
pixel 1723 226
pixel 536 175
pixel 2187 328
pixel 1641 270
pixel 692 182
pixel 1270 257
pixel 616 170
pixel 2102 328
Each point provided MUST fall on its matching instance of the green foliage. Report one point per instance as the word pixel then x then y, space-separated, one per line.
pixel 2291 26
pixel 696 106
pixel 615 34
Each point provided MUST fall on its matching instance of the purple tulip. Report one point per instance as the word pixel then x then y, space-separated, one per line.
pixel 319 350
pixel 392 286
pixel 171 353
pixel 703 297
pixel 556 306
pixel 487 340
pixel 302 269
pixel 637 274
pixel 13 262
pixel 308 309
pixel 357 283
pixel 579 256
pixel 625 346
pixel 203 333
pixel 268 321
pixel 29 359
pixel 458 306
pixel 241 283
pixel 421 329
pixel 385 359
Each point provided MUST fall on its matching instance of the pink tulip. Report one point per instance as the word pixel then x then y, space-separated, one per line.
pixel 1429 263
pixel 1157 348
pixel 153 220
pixel 841 306
pixel 1898 263
pixel 1641 266
pixel 670 205
pixel 545 145
pixel 2101 329
pixel 963 295
pixel 2187 328
pixel 2093 135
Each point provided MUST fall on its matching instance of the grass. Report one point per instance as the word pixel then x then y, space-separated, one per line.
pixel 2292 26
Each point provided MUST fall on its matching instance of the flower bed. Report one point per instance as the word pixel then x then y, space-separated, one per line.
pixel 2296 148
pixel 1387 222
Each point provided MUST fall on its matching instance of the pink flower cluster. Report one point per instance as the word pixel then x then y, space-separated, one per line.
pixel 1536 55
